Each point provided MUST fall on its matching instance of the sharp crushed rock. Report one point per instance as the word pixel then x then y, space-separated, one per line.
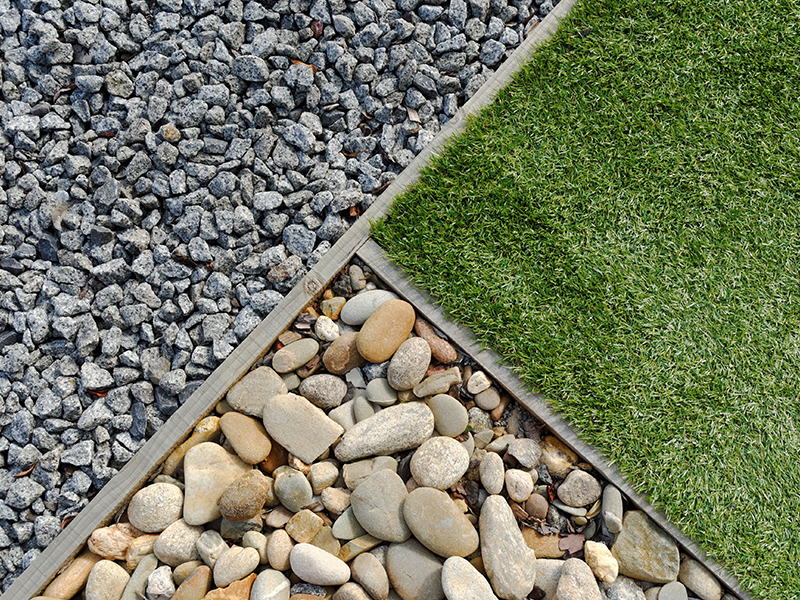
pixel 170 170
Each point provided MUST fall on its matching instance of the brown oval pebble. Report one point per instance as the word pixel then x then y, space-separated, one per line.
pixel 247 436
pixel 342 355
pixel 536 506
pixel 244 498
pixel 385 330
pixel 440 349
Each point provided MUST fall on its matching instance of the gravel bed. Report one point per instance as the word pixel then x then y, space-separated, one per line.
pixel 170 171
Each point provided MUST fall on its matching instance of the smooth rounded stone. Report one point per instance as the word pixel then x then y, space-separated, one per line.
pixel 208 470
pixel 450 417
pixel 355 473
pixel 579 489
pixel 139 548
pixel 258 541
pixel 438 383
pixel 577 582
pixel 279 548
pixel 332 307
pixel 377 504
pixel 72 579
pixel 358 546
pixel 557 457
pixel 206 430
pixel 438 524
pixel 488 399
pixel 196 585
pixel 380 392
pixel 652 593
pixel 612 508
pixel 270 585
pixel 700 580
pixel 314 565
pixel 603 565
pixel 441 349
pixel 409 364
pixel 347 527
pixel 462 581
pixel 469 444
pixel 299 426
pixel 335 500
pixel 342 355
pixel 570 510
pixel 492 472
pixel 385 330
pixel 250 393
pixel 622 588
pixel 324 390
pixel 644 551
pixel 303 526
pixel 519 485
pixel 360 307
pixel 548 572
pixel 536 506
pixel 325 329
pixel 439 463
pixel 247 436
pixel 500 445
pixel 510 565
pixel 371 575
pixel 414 571
pixel 295 355
pixel 292 489
pixel 322 475
pixel 137 584
pixel 393 429
pixel 674 590
pixel 478 382
pixel 211 546
pixel 244 498
pixel 234 564
pixel 177 543
pixel 362 409
pixel 526 452
pixel 344 415
pixel 106 581
pixel 160 585
pixel 278 517
pixel 349 591
pixel 155 507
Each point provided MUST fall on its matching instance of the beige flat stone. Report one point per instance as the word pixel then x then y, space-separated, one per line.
pixel 299 426
pixel 74 577
pixel 208 470
pixel 247 436
pixel 206 430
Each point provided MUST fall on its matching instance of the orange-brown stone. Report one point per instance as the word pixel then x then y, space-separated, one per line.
pixel 544 546
pixel 342 355
pixel 196 586
pixel 238 590
pixel 74 577
pixel 385 330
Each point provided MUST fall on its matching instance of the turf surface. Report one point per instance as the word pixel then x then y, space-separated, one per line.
pixel 623 225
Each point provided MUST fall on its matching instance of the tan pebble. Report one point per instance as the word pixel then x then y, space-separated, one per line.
pixel 519 485
pixel 557 457
pixel 279 548
pixel 437 383
pixel 244 498
pixel 350 591
pixel 536 506
pixel 206 430
pixel 208 471
pixel 183 570
pixel 250 393
pixel 294 355
pixel 238 590
pixel 139 548
pixel 247 436
pixel 195 586
pixel 440 348
pixel 488 399
pixel 544 546
pixel 505 399
pixel 112 542
pixel 478 382
pixel 73 578
pixel 155 507
pixel 298 465
pixel 234 564
pixel 303 526
pixel 107 581
pixel 222 408
pixel 342 355
pixel 355 547
pixel 322 475
pixel 384 331
pixel 325 540
pixel 336 500
pixel 371 575
pixel 600 561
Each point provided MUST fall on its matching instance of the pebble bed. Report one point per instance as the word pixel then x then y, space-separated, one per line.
pixel 366 458
pixel 171 169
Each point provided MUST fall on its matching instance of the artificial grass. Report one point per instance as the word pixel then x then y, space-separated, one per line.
pixel 623 226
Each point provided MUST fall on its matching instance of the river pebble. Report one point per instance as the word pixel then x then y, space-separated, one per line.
pixel 439 462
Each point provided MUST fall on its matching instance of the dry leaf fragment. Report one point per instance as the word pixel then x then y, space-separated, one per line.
pixel 572 543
